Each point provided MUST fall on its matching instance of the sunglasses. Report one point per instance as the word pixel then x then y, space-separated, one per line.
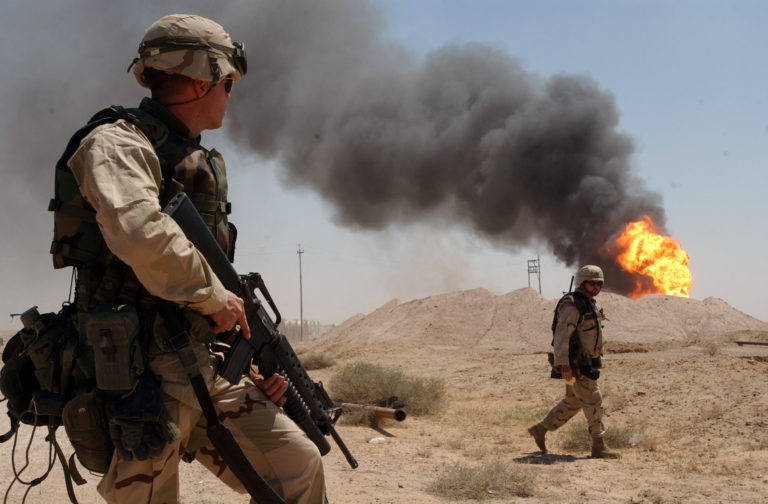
pixel 228 83
pixel 593 283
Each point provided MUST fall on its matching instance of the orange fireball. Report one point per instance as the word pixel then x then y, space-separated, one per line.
pixel 659 258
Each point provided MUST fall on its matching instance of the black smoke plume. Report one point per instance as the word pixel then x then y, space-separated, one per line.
pixel 463 135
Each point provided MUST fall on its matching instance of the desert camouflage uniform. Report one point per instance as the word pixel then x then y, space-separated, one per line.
pixel 119 174
pixel 584 394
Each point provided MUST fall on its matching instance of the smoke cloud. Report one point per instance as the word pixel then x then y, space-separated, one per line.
pixel 462 136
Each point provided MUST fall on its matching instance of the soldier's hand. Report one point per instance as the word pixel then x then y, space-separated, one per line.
pixel 567 373
pixel 273 387
pixel 232 313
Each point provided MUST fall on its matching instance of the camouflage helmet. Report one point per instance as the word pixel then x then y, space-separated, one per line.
pixel 192 46
pixel 589 272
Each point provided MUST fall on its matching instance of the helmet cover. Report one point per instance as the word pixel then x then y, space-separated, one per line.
pixel 589 272
pixel 190 45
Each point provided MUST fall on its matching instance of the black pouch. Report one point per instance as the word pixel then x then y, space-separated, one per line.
pixel 88 430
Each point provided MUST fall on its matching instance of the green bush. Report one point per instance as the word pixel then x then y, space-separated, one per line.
pixel 366 383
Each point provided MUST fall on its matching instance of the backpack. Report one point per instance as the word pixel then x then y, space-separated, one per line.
pixel 39 378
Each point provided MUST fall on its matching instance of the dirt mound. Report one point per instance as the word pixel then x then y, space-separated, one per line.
pixel 520 321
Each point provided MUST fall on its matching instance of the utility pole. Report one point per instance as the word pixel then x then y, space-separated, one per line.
pixel 301 298
pixel 534 268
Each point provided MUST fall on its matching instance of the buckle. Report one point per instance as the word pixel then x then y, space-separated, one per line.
pixel 178 341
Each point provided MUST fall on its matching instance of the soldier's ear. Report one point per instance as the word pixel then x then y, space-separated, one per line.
pixel 201 87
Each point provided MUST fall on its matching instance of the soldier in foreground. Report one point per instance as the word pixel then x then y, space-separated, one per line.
pixel 122 172
pixel 578 347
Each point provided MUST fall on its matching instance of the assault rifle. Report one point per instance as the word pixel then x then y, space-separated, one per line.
pixel 307 402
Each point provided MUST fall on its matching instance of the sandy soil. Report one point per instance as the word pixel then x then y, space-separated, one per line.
pixel 694 399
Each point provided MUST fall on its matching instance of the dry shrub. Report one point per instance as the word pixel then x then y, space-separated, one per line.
pixel 712 412
pixel 647 497
pixel 711 348
pixel 491 480
pixel 366 383
pixel 455 443
pixel 614 398
pixel 629 436
pixel 317 360
pixel 358 417
pixel 493 414
pixel 576 438
pixel 615 347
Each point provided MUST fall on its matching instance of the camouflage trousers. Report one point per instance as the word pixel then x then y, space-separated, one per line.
pixel 583 395
pixel 276 447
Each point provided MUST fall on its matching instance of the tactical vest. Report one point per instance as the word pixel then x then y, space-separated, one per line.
pixel 588 333
pixel 185 165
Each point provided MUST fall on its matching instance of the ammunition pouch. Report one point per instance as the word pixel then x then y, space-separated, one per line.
pixel 584 367
pixel 88 431
pixel 112 334
pixel 588 371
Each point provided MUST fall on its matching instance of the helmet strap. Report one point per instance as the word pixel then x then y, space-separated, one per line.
pixel 193 99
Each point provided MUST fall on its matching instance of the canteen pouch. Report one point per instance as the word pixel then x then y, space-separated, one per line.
pixel 86 425
pixel 112 332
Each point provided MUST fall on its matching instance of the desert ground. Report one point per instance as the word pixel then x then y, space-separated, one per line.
pixel 695 405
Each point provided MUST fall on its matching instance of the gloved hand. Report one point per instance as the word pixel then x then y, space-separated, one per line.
pixel 140 426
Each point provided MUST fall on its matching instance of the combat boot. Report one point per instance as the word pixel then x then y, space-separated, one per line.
pixel 600 450
pixel 538 432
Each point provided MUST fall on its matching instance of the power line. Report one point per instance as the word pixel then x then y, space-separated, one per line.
pixel 301 298
pixel 534 268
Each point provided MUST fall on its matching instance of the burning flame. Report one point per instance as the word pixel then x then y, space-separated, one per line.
pixel 657 257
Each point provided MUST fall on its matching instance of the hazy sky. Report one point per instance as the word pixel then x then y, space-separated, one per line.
pixel 687 81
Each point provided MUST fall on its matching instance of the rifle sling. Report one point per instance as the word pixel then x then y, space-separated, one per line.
pixel 221 437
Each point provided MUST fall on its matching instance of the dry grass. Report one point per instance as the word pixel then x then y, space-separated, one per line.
pixel 575 437
pixel 491 480
pixel 616 347
pixel 491 414
pixel 317 360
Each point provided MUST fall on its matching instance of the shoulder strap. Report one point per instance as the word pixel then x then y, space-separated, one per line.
pixel 154 129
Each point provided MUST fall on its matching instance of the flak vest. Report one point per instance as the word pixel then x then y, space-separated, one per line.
pixel 588 332
pixel 186 166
